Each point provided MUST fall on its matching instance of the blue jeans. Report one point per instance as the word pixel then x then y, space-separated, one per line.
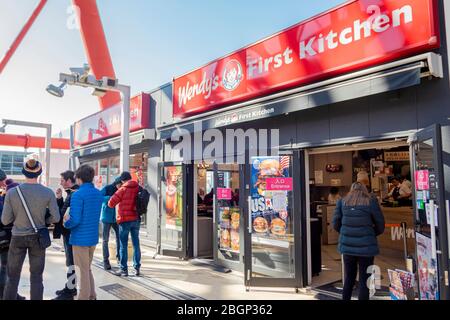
pixel 133 229
pixel 106 231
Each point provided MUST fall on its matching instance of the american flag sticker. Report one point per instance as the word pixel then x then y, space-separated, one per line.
pixel 285 162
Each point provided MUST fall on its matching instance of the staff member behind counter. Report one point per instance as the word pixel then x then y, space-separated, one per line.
pixel 400 191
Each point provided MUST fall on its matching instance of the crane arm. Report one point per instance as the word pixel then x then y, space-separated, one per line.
pixel 21 35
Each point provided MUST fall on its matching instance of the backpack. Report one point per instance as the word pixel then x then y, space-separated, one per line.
pixel 142 200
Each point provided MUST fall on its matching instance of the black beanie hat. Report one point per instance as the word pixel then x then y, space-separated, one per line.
pixel 125 176
pixel 32 169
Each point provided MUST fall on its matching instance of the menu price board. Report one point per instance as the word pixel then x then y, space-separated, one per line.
pixel 269 209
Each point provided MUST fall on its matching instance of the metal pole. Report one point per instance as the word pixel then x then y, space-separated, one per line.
pixel 48 144
pixel 125 131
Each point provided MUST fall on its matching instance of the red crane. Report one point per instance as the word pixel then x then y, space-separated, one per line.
pixel 98 57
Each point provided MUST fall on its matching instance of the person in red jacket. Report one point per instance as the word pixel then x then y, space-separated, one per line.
pixel 129 222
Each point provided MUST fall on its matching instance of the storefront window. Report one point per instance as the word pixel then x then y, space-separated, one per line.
pixel 114 169
pixel 172 206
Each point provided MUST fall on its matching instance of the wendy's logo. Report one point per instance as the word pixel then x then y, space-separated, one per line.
pixel 232 75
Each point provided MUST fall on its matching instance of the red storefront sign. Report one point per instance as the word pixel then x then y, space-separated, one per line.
pixel 224 194
pixel 279 184
pixel 356 35
pixel 106 124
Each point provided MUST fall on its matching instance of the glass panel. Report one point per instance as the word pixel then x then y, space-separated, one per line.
pixel 426 190
pixel 228 212
pixel 6 158
pixel 103 173
pixel 172 209
pixel 114 169
pixel 272 240
pixel 423 170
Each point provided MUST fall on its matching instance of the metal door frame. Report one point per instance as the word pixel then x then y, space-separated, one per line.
pixel 238 266
pixel 434 133
pixel 299 217
pixel 187 233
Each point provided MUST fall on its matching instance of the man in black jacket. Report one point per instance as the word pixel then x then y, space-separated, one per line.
pixel 68 183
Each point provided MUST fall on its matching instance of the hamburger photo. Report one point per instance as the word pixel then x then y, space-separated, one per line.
pixel 260 225
pixel 278 227
pixel 270 168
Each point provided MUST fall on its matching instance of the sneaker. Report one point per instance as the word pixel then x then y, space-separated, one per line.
pixel 66 291
pixel 122 273
pixel 19 297
pixel 137 272
pixel 106 265
pixel 64 296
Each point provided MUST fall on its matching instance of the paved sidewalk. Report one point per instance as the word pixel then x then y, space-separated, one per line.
pixel 163 278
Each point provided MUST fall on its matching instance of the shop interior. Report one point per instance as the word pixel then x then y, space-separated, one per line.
pixel 332 172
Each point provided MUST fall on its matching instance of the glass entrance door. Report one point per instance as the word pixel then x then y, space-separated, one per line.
pixel 272 235
pixel 172 231
pixel 228 219
pixel 431 215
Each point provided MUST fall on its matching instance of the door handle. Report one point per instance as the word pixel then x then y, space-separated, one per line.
pixel 433 230
pixel 447 206
pixel 214 209
pixel 249 215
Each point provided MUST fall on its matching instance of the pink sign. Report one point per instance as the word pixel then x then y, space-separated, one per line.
pixel 279 184
pixel 422 180
pixel 223 194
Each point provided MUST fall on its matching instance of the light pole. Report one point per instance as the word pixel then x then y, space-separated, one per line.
pixel 48 140
pixel 80 77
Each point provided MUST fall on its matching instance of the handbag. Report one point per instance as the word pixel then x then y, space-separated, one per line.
pixel 43 234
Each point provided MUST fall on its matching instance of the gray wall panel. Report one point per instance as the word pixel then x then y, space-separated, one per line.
pixel 313 125
pixel 349 119
pixel 393 112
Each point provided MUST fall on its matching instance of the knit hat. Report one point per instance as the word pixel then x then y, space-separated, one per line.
pixel 10 184
pixel 2 175
pixel 32 169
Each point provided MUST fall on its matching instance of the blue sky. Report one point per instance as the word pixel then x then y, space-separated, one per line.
pixel 150 41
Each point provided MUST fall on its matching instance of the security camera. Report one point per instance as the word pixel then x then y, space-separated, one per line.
pixel 81 73
pixel 108 83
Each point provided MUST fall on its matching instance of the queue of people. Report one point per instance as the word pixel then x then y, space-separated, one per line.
pixel 28 209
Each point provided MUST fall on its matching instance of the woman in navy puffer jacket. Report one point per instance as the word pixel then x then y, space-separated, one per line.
pixel 359 221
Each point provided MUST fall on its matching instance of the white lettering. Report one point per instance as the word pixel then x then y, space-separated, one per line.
pixel 381 23
pixel 330 38
pixel 344 38
pixel 306 48
pixel 358 27
pixel 407 15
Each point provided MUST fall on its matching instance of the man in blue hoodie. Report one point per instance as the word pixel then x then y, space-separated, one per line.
pixel 108 219
pixel 83 222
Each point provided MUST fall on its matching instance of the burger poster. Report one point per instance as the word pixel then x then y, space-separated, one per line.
pixel 269 208
pixel 174 198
